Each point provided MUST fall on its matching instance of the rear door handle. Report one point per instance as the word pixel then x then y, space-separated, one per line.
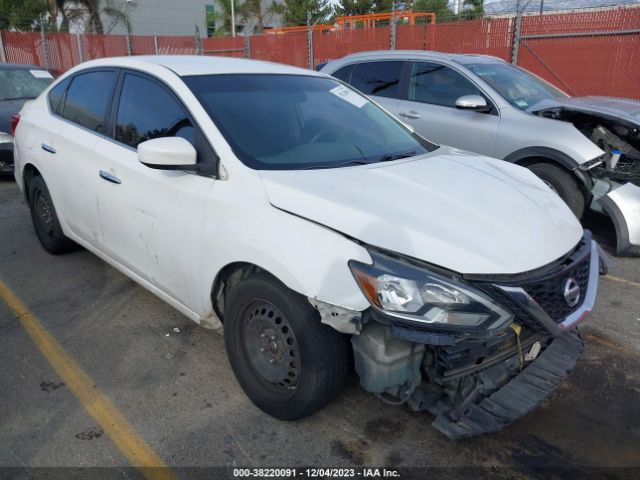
pixel 410 114
pixel 109 178
pixel 48 148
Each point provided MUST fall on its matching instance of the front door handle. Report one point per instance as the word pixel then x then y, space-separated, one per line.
pixel 48 148
pixel 109 178
pixel 410 114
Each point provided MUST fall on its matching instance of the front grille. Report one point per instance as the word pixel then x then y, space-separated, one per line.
pixel 522 316
pixel 548 292
pixel 548 288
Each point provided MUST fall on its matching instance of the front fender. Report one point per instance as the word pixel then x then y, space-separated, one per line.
pixel 308 258
pixel 523 155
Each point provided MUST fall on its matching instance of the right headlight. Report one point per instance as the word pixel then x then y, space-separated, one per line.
pixel 415 295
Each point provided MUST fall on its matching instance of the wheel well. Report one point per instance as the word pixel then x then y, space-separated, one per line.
pixel 226 279
pixel 525 162
pixel 28 174
pixel 583 181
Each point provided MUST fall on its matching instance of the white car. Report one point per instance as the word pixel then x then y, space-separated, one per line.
pixel 286 209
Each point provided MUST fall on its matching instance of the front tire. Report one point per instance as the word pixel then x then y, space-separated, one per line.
pixel 563 183
pixel 45 219
pixel 288 363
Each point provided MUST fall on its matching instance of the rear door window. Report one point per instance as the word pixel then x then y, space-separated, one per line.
pixel 88 98
pixel 56 95
pixel 378 78
pixel 438 84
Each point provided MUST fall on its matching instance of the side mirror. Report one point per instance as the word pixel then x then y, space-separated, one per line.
pixel 473 102
pixel 168 153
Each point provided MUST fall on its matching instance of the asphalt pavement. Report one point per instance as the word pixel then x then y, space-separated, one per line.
pixel 171 383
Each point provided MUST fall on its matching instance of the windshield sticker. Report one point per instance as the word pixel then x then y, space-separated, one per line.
pixel 349 95
pixel 40 74
pixel 522 103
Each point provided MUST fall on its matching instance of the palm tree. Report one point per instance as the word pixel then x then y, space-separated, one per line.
pixel 90 14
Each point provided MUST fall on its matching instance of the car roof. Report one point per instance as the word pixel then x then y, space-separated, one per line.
pixel 462 58
pixel 186 65
pixel 19 66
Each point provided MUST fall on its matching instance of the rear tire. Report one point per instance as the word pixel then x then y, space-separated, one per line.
pixel 45 219
pixel 563 183
pixel 288 363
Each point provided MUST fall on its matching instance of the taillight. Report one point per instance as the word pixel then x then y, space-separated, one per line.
pixel 15 119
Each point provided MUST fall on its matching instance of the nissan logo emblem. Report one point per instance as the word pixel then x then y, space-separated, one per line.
pixel 571 292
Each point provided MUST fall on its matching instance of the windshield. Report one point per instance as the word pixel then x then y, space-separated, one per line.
pixel 289 122
pixel 23 84
pixel 519 87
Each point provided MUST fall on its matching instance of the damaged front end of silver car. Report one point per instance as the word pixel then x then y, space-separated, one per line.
pixel 480 383
pixel 613 125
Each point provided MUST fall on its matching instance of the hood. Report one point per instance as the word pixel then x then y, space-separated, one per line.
pixel 8 108
pixel 464 212
pixel 611 107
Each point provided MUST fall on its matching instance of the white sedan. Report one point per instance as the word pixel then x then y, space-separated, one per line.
pixel 315 226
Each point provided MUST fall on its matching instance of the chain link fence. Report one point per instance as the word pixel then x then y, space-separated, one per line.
pixel 593 51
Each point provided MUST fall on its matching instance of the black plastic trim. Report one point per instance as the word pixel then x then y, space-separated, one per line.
pixel 558 157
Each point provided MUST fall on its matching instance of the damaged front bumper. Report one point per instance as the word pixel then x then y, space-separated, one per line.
pixel 622 204
pixel 477 386
pixel 501 405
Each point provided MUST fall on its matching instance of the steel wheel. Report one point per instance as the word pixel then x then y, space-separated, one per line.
pixel 44 214
pixel 287 362
pixel 271 346
pixel 45 219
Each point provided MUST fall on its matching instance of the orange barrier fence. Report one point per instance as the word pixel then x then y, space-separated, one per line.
pixel 338 43
pixel 603 62
pixel 595 52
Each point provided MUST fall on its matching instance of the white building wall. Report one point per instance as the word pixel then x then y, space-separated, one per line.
pixel 167 17
pixel 179 17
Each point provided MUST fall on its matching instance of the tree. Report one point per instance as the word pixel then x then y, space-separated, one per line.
pixel 22 15
pixel 88 15
pixel 251 11
pixel 472 9
pixel 294 12
pixel 353 7
pixel 223 16
pixel 381 6
pixel 439 7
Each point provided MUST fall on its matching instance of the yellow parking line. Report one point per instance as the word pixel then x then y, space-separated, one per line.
pixel 622 280
pixel 92 398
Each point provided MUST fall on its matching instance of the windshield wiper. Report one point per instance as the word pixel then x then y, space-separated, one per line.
pixel 16 98
pixel 336 165
pixel 398 156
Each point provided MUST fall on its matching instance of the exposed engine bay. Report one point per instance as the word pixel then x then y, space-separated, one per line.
pixel 476 384
pixel 470 387
pixel 618 138
pixel 613 125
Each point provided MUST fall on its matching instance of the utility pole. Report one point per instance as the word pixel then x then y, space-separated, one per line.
pixel 198 41
pixel 541 7
pixel 233 18
pixel 3 53
pixel 516 34
pixel 79 46
pixel 393 31
pixel 309 40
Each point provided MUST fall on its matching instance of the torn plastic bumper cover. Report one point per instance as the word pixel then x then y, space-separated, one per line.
pixel 520 395
pixel 622 204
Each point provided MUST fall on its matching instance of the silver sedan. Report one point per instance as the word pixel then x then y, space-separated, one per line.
pixel 586 149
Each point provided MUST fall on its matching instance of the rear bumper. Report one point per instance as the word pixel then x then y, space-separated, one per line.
pixel 6 158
